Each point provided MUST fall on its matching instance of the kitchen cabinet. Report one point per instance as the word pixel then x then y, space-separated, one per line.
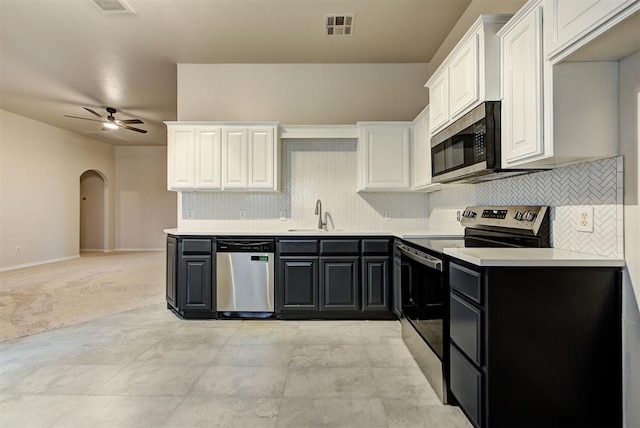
pixel 574 23
pixel 541 335
pixel 468 76
pixel 190 280
pixel 548 118
pixel 421 154
pixel 334 278
pixel 299 284
pixel 250 158
pixel 172 271
pixel 210 156
pixel 383 156
pixel 193 158
pixel 339 282
pixel 375 283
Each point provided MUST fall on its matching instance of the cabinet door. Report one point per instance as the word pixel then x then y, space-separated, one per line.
pixel 375 283
pixel 208 148
pixel 195 282
pixel 298 284
pixel 261 158
pixel 234 149
pixel 464 78
pixel 385 158
pixel 522 131
pixel 421 153
pixel 172 271
pixel 181 158
pixel 439 102
pixel 574 19
pixel 339 284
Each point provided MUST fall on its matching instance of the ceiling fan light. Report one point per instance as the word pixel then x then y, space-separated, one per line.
pixel 110 125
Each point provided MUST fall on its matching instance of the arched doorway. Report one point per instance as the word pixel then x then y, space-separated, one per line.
pixel 92 211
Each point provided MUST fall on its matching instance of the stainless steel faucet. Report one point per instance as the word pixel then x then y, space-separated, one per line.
pixel 321 224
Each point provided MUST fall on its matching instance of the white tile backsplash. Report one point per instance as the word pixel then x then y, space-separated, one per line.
pixel 311 169
pixel 597 184
pixel 326 169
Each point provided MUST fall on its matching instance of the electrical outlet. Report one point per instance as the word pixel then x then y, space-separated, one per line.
pixel 387 215
pixel 18 250
pixel 243 215
pixel 190 214
pixel 584 219
pixel 283 215
pixel 456 215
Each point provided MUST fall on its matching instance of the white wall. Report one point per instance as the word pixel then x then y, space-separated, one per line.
pixel 40 168
pixel 629 98
pixel 301 93
pixel 144 205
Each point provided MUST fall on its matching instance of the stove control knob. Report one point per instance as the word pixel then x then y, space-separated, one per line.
pixel 529 216
pixel 518 215
pixel 468 214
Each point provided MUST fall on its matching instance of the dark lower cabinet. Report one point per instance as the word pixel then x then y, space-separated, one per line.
pixel 190 287
pixel 341 278
pixel 339 284
pixel 375 283
pixel 195 278
pixel 172 271
pixel 298 288
pixel 536 346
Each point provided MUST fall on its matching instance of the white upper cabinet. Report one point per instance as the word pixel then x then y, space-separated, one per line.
pixel 573 23
pixel 522 88
pixel 181 144
pixel 214 156
pixel 208 152
pixel 421 153
pixel 468 76
pixel 553 114
pixel 464 75
pixel 383 156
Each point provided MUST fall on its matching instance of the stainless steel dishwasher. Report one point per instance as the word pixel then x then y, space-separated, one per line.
pixel 245 277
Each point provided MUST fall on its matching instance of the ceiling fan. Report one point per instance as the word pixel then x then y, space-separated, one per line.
pixel 110 122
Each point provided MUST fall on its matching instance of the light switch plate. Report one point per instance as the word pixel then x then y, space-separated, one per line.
pixel 584 219
pixel 283 215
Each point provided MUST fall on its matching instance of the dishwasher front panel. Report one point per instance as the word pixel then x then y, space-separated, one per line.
pixel 245 282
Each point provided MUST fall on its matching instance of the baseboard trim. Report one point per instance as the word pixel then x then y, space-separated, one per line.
pixel 32 264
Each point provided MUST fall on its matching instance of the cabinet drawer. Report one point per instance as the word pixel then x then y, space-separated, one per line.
pixel 466 327
pixel 196 246
pixel 298 247
pixel 466 281
pixel 466 385
pixel 375 246
pixel 339 247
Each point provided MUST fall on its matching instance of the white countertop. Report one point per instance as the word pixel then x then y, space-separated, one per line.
pixel 434 234
pixel 528 257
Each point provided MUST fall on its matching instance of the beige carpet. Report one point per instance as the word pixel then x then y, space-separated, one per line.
pixel 45 297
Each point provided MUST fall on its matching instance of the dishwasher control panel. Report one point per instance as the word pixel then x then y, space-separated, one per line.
pixel 246 246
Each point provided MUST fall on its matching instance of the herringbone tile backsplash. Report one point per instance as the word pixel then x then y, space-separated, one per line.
pixel 565 190
pixel 326 169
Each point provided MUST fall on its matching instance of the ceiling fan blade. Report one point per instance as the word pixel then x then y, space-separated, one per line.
pixel 93 112
pixel 83 118
pixel 130 121
pixel 131 128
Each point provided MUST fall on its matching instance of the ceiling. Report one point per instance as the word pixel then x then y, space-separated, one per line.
pixel 57 56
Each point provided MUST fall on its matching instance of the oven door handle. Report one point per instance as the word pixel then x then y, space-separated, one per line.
pixel 430 263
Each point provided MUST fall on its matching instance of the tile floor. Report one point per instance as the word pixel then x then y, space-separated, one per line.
pixel 147 368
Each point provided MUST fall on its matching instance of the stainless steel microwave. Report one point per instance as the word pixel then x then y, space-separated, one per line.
pixel 468 150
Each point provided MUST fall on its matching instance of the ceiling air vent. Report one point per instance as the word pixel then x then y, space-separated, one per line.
pixel 339 24
pixel 113 6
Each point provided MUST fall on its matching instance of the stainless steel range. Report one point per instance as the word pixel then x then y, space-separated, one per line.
pixel 422 271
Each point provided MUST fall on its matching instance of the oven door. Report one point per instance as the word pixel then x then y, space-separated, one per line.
pixel 423 303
